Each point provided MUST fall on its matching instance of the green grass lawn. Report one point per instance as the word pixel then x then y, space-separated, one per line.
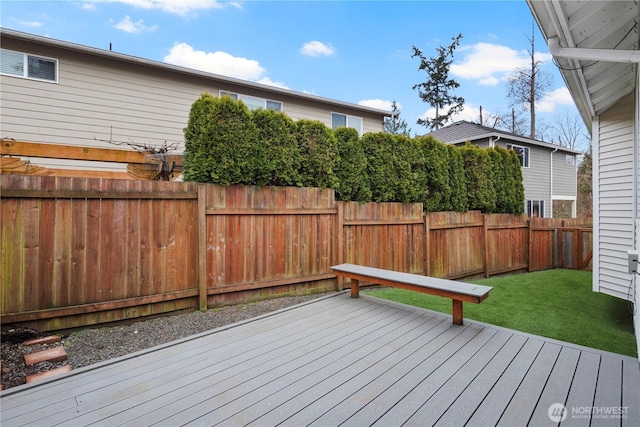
pixel 556 304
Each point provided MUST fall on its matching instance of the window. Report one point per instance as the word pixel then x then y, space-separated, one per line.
pixel 343 120
pixel 27 66
pixel 522 153
pixel 535 208
pixel 253 102
pixel 570 159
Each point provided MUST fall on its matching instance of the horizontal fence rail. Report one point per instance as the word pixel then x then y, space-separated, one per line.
pixel 83 251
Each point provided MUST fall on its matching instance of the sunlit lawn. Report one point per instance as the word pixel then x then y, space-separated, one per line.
pixel 556 304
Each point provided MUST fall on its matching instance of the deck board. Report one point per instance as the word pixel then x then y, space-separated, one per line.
pixel 520 408
pixel 338 361
pixel 460 411
pixel 557 387
pixel 608 391
pixel 630 392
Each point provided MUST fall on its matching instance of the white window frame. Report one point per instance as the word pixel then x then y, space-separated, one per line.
pixel 25 66
pixel 239 96
pixel 570 159
pixel 359 128
pixel 526 154
pixel 529 208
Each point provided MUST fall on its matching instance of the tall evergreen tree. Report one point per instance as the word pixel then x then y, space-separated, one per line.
pixel 436 91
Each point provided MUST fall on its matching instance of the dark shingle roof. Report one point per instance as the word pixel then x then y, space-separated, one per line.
pixel 463 131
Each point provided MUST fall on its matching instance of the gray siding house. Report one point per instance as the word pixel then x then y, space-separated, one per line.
pixel 595 45
pixel 53 91
pixel 549 171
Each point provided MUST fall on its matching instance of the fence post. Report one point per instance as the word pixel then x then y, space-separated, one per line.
pixel 339 256
pixel 202 247
pixel 560 247
pixel 529 245
pixel 427 261
pixel 485 245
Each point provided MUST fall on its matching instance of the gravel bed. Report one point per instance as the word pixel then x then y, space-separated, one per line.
pixel 93 345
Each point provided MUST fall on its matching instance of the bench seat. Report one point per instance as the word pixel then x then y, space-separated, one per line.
pixel 457 291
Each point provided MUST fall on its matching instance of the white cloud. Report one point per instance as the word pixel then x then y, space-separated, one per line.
pixel 560 96
pixel 177 7
pixel 268 81
pixel 490 63
pixel 215 62
pixel 469 113
pixel 380 104
pixel 316 48
pixel 88 6
pixel 127 25
pixel 30 24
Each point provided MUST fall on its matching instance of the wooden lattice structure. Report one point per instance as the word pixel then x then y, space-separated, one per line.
pixel 15 159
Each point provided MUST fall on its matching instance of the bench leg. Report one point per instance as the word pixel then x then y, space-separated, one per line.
pixel 355 288
pixel 457 312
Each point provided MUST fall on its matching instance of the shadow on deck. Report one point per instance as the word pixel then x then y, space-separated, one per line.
pixel 339 360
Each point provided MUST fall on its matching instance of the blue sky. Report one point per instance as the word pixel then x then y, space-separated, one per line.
pixel 354 51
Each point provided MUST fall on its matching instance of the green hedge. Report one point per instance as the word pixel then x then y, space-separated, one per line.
pixel 221 142
pixel 280 160
pixel 352 168
pixel 507 180
pixel 478 177
pixel 319 150
pixel 459 197
pixel 228 144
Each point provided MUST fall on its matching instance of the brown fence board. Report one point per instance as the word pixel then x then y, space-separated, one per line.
pixel 384 235
pixel 507 241
pixel 72 258
pixel 267 235
pixel 455 244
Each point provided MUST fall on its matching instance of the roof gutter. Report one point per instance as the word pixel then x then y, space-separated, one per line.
pixel 605 55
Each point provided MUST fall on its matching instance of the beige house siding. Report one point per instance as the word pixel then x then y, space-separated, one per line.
pixel 614 151
pixel 103 98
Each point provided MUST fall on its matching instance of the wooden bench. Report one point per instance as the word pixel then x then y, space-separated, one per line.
pixel 457 291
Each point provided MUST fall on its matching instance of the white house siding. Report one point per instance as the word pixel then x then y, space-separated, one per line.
pixel 105 98
pixel 614 195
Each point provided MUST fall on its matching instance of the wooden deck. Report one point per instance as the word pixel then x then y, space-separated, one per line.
pixel 341 361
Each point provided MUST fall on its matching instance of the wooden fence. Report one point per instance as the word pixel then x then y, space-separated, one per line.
pixel 82 251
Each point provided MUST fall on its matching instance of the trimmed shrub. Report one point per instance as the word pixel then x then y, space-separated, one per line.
pixel 499 179
pixel 437 174
pixel 514 174
pixel 221 142
pixel 507 180
pixel 319 150
pixel 459 197
pixel 280 160
pixel 477 169
pixel 410 166
pixel 388 170
pixel 352 169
